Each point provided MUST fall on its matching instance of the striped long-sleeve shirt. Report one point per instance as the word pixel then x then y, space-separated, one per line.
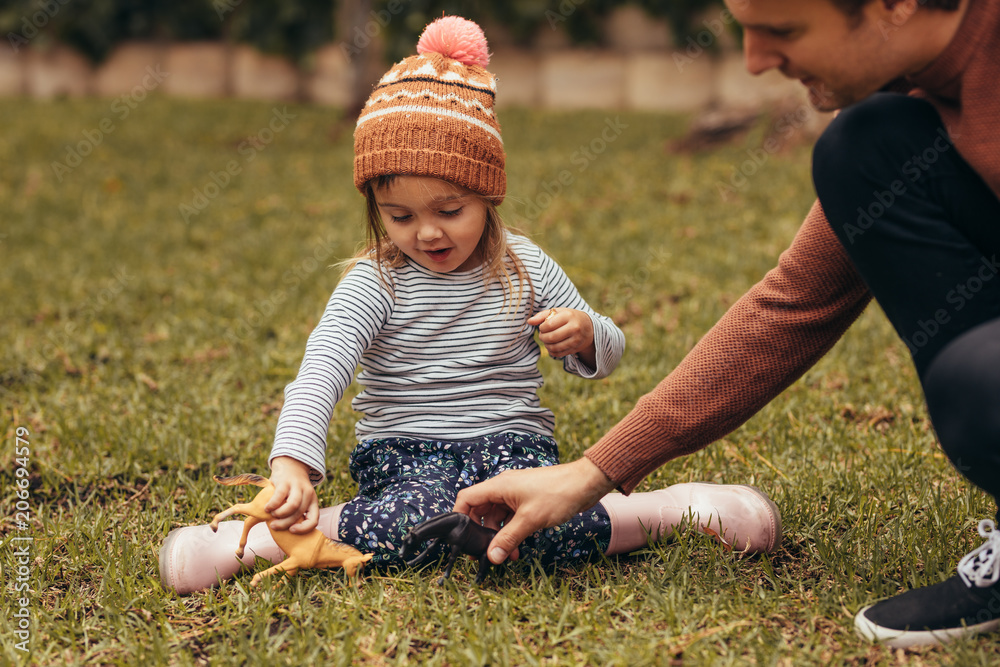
pixel 443 356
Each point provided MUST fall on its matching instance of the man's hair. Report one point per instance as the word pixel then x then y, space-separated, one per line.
pixel 853 7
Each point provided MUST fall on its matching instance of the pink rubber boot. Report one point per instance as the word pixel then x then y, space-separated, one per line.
pixel 741 517
pixel 194 558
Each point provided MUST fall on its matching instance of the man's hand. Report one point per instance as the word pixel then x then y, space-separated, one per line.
pixel 294 505
pixel 518 503
pixel 565 331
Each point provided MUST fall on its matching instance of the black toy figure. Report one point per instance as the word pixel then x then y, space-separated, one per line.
pixel 457 530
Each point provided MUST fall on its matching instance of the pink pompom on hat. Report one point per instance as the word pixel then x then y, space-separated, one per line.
pixel 432 115
pixel 456 38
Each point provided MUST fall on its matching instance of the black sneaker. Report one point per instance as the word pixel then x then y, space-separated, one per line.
pixel 966 604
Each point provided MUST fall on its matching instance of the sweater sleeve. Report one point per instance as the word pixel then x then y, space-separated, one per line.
pixel 355 313
pixel 558 291
pixel 766 341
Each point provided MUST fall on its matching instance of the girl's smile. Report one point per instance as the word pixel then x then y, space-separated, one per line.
pixel 439 255
pixel 433 222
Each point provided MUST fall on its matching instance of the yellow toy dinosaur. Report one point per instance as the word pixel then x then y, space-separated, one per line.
pixel 313 549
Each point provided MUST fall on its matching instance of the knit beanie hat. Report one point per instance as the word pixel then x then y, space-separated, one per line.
pixel 432 115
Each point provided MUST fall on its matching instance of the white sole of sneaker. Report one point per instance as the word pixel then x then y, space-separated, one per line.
pixel 912 638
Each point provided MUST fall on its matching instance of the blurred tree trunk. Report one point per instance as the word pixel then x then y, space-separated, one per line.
pixel 350 18
pixel 229 44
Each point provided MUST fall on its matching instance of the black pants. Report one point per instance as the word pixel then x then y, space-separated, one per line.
pixel 923 230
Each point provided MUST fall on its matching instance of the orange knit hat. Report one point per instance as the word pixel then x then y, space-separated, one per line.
pixel 432 115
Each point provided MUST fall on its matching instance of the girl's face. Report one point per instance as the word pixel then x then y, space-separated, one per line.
pixel 436 224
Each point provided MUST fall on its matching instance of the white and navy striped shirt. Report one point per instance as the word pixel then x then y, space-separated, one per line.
pixel 443 356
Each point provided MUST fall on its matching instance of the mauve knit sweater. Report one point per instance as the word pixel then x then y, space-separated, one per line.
pixel 792 317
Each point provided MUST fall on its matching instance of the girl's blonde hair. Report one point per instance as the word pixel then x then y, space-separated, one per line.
pixel 500 262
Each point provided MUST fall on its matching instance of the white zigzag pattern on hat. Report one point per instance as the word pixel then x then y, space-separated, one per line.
pixel 430 71
pixel 385 97
pixel 433 111
pixel 389 76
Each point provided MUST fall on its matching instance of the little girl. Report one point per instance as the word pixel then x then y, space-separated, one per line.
pixel 440 310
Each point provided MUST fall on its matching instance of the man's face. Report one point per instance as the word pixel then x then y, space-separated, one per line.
pixel 840 59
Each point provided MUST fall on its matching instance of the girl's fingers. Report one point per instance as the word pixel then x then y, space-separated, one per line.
pixel 309 520
pixel 543 319
pixel 278 499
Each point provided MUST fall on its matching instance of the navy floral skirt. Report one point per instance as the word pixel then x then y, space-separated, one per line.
pixel 403 482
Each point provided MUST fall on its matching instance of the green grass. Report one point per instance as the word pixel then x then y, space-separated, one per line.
pixel 143 353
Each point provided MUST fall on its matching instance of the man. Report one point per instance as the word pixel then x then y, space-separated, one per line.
pixel 909 214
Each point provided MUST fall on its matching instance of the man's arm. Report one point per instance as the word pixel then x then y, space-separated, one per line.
pixel 766 341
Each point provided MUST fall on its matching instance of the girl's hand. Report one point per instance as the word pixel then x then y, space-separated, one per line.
pixel 294 505
pixel 565 331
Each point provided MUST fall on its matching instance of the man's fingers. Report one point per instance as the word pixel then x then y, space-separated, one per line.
pixel 508 539
pixel 495 517
pixel 480 497
pixel 468 500
pixel 538 498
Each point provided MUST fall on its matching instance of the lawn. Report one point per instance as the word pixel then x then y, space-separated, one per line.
pixel 161 270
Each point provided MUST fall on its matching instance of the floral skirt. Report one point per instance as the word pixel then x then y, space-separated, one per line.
pixel 403 482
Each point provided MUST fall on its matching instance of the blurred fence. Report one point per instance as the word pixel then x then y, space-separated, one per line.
pixel 632 59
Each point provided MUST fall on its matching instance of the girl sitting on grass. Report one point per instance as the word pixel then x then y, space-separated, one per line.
pixel 440 311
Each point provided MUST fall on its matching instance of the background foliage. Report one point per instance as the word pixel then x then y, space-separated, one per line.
pixel 95 27
pixel 294 28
